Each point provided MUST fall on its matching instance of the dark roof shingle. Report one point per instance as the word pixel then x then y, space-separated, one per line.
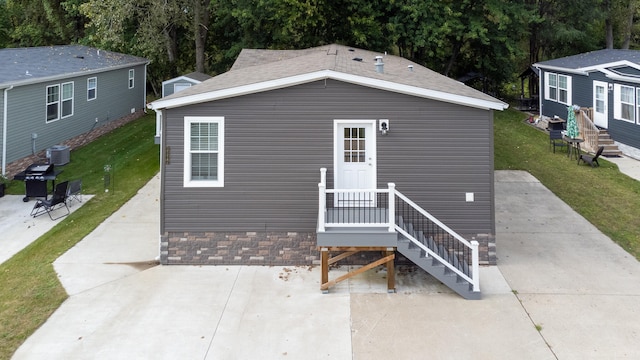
pixel 32 64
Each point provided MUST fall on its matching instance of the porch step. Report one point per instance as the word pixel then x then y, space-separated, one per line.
pixel 436 268
pixel 610 148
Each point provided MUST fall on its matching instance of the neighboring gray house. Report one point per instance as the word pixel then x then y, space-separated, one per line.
pixel 51 94
pixel 182 82
pixel 246 157
pixel 606 80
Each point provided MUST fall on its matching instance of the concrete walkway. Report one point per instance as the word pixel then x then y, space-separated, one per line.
pixel 562 290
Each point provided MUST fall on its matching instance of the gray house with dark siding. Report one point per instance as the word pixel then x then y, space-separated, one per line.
pixel 245 153
pixel 51 94
pixel 606 80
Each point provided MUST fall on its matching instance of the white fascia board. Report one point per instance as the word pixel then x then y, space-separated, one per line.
pixel 326 74
pixel 37 80
pixel 237 91
pixel 422 92
pixel 612 64
pixel 561 69
pixel 613 76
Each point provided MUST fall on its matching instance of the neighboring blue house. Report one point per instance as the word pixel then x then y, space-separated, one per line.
pixel 606 80
pixel 51 94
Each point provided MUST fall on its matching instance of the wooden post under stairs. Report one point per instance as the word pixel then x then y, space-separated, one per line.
pixel 346 251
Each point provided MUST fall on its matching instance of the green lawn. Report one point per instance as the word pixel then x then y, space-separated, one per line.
pixel 30 290
pixel 607 198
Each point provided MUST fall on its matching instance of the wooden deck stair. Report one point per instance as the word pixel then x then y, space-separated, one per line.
pixel 610 148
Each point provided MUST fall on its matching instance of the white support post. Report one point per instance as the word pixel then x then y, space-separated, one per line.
pixel 392 207
pixel 322 199
pixel 475 267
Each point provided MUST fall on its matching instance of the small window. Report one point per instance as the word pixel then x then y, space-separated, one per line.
pixel 627 103
pixel 131 79
pixel 553 87
pixel 180 86
pixel 67 99
pixel 92 88
pixel 558 88
pixel 53 102
pixel 204 152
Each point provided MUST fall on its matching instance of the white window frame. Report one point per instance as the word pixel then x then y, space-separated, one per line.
pixel 637 105
pixel 132 78
pixel 188 182
pixel 63 100
pixel 94 88
pixel 49 103
pixel 617 103
pixel 558 90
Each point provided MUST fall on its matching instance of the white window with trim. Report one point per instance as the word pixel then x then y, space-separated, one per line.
pixel 92 88
pixel 131 78
pixel 53 102
pixel 558 88
pixel 203 151
pixel 625 103
pixel 67 100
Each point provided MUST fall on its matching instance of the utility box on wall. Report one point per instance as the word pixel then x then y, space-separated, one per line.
pixel 58 154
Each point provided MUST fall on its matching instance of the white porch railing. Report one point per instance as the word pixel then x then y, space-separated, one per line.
pixel 381 208
pixel 588 130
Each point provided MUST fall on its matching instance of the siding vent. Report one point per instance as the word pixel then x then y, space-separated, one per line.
pixel 379 65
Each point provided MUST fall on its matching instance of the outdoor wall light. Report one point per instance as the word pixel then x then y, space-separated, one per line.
pixel 610 87
pixel 384 126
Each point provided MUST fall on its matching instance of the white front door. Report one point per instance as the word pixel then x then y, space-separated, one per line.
pixel 600 104
pixel 354 161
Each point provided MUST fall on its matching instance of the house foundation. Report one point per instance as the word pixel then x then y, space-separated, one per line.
pixel 268 248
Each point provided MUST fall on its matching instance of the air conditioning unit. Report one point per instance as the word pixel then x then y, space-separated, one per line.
pixel 58 154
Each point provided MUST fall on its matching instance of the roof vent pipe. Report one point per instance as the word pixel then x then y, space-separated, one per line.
pixel 379 65
pixel 410 68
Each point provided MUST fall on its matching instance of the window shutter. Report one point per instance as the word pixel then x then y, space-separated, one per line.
pixel 546 85
pixel 569 91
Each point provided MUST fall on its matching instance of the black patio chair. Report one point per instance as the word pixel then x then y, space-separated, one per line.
pixel 74 192
pixel 591 160
pixel 58 200
pixel 555 139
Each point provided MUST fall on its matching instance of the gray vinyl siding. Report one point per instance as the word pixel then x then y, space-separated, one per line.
pixel 620 130
pixel 581 94
pixel 27 109
pixel 277 141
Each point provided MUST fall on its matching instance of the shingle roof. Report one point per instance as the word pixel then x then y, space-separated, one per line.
pixel 593 58
pixel 198 76
pixel 34 64
pixel 280 68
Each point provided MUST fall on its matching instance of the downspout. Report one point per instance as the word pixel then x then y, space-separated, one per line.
pixel 540 92
pixel 5 112
pixel 144 94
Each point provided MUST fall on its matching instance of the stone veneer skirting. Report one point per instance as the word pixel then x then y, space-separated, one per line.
pixel 265 248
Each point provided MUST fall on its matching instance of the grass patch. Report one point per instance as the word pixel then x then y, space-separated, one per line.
pixel 30 290
pixel 607 198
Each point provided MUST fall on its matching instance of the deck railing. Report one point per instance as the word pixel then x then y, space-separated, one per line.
pixel 588 130
pixel 390 209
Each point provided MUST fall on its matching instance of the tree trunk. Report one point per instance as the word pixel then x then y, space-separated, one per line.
pixel 629 26
pixel 608 24
pixel 201 24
